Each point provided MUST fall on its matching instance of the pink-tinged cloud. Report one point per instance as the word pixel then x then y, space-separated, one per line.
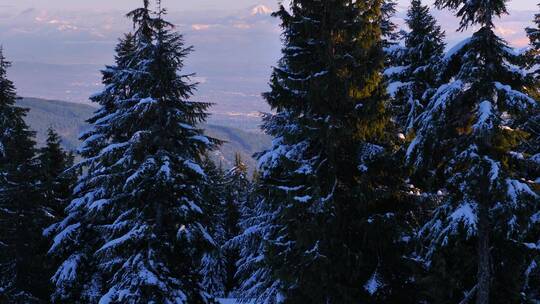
pixel 519 42
pixel 61 25
pixel 505 31
pixel 201 27
pixel 510 27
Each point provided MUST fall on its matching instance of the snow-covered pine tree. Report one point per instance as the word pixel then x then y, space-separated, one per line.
pixel 213 268
pixel 388 27
pixel 254 274
pixel 56 183
pixel 532 148
pixel 390 34
pixel 238 188
pixel 413 80
pixel 328 197
pixel 534 54
pixel 73 280
pixel 479 237
pixel 230 191
pixel 22 215
pixel 532 65
pixel 135 233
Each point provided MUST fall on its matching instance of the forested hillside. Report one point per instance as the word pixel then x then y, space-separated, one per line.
pixel 69 120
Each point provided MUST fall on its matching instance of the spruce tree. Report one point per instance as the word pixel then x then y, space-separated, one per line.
pixel 388 27
pixel 414 79
pixel 22 215
pixel 390 34
pixel 532 65
pixel 477 242
pixel 328 186
pixel 55 187
pixel 56 182
pixel 534 53
pixel 228 194
pixel 135 231
pixel 213 268
pixel 256 280
pixel 237 193
pixel 532 147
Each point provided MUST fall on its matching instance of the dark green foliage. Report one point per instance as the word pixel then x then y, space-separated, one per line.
pixel 476 11
pixel 533 56
pixel 213 268
pixel 137 230
pixel 227 195
pixel 331 217
pixel 468 147
pixel 388 27
pixel 329 186
pixel 237 195
pixel 532 147
pixel 417 65
pixel 55 187
pixel 22 215
pixel 56 182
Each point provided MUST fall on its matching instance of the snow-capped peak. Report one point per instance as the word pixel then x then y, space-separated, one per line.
pixel 261 10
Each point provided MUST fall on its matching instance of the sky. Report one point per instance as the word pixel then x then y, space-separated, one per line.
pixel 179 4
pixel 59 46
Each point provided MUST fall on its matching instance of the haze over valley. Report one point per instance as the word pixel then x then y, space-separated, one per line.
pixel 58 49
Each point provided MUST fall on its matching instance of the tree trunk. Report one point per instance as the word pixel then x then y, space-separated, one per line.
pixel 484 260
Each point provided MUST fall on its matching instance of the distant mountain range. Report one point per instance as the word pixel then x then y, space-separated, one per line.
pixel 261 10
pixel 69 120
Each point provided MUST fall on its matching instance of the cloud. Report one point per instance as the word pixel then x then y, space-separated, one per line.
pixel 202 27
pixel 505 31
pixel 519 42
pixel 510 27
pixel 59 24
pixel 255 19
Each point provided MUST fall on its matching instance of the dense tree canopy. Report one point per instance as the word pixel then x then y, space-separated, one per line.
pixel 135 231
pixel 399 172
pixel 467 146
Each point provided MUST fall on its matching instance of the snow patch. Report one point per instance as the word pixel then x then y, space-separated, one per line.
pixel 515 188
pixel 195 167
pixel 457 48
pixel 373 284
pixel 516 98
pixel 485 112
pixel 302 199
pixel 66 233
pixel 536 158
pixel 135 232
pixel 202 139
pixel 395 70
pixel 394 87
pixel 67 271
pixel 466 214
